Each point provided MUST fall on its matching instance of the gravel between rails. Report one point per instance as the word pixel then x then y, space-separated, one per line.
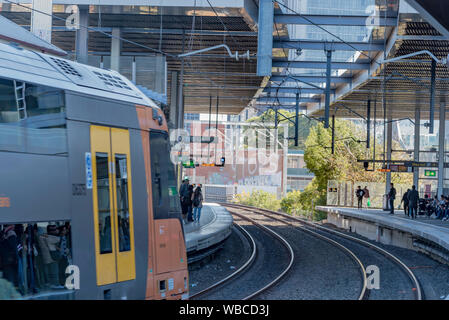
pixel 233 255
pixel 321 271
pixel 271 260
pixel 432 275
pixel 394 283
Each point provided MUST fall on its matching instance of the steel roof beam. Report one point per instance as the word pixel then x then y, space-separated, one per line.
pixel 165 31
pixel 282 106
pixel 321 45
pixel 322 65
pixel 311 79
pixel 295 90
pixel 273 100
pixel 330 20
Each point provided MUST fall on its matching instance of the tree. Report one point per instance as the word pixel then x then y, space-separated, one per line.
pixel 343 164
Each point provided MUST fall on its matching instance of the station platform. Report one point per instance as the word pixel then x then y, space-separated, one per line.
pixel 422 234
pixel 214 227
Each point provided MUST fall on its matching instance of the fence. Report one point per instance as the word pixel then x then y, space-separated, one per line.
pixel 225 193
pixel 342 193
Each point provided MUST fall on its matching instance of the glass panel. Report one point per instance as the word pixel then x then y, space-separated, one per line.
pixel 122 202
pixel 35 122
pixel 165 194
pixel 104 210
pixel 34 258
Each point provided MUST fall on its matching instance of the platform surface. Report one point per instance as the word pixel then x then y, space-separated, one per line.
pixel 214 226
pixel 428 228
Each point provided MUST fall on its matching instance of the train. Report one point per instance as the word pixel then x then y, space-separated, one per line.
pixel 88 195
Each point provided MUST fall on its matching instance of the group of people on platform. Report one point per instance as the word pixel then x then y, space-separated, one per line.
pixel 410 199
pixel 191 197
pixel 360 194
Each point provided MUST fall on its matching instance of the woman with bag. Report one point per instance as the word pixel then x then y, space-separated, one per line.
pixel 197 203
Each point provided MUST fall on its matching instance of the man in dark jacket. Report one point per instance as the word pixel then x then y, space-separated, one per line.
pixel 183 195
pixel 359 194
pixel 392 197
pixel 413 199
pixel 405 201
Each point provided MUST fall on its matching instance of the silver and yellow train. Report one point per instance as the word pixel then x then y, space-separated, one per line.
pixel 86 185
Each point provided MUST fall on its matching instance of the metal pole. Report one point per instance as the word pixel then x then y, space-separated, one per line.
pixel 328 88
pixel 333 134
pixel 432 96
pixel 368 124
pixel 416 146
pixel 442 134
pixel 297 120
pixel 389 146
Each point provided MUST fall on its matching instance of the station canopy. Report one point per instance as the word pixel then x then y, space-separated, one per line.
pixel 174 29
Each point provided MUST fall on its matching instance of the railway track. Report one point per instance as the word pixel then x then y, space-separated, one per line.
pixel 249 272
pixel 399 282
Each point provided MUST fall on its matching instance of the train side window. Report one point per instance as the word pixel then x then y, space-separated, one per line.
pixel 32 118
pixel 122 202
pixel 104 210
pixel 33 259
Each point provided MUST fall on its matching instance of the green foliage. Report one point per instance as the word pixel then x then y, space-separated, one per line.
pixel 259 199
pixel 291 203
pixel 343 165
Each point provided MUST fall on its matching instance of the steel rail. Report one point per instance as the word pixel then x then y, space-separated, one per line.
pixel 416 285
pixel 363 292
pixel 248 263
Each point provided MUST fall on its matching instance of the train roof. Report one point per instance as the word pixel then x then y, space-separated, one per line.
pixel 24 65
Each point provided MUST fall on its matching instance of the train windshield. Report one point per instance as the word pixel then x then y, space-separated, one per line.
pixel 165 195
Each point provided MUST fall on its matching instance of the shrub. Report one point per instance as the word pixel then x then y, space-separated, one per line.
pixel 259 199
pixel 291 203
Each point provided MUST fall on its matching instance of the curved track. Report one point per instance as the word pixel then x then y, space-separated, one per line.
pixel 249 271
pixel 402 284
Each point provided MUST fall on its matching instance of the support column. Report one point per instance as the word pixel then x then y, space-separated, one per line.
pixel 416 146
pixel 115 49
pixel 441 141
pixel 180 120
pixel 265 38
pixel 432 95
pixel 134 71
pixel 173 121
pixel 82 35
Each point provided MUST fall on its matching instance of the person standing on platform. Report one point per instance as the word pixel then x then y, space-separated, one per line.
pixel 183 192
pixel 189 203
pixel 197 204
pixel 392 197
pixel 413 199
pixel 405 201
pixel 366 196
pixel 359 194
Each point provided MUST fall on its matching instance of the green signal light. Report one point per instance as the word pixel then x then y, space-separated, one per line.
pixel 430 173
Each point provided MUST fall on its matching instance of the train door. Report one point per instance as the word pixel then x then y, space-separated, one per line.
pixel 112 205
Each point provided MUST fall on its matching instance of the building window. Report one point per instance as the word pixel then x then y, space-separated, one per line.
pixel 32 118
